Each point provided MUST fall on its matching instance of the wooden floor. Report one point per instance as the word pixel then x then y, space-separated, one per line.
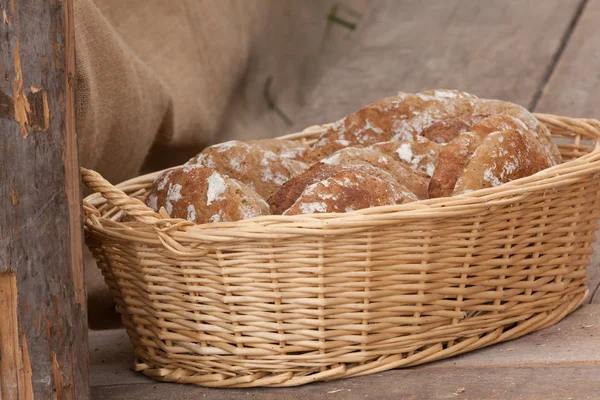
pixel 543 54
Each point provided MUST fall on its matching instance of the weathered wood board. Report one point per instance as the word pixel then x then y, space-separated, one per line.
pixel 42 304
pixel 573 90
pixel 495 48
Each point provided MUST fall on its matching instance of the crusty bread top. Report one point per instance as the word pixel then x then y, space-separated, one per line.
pixel 446 130
pixel 250 163
pixel 201 195
pixel 391 118
pixel 455 155
pixel 417 152
pixel 350 188
pixel 289 149
pixel 414 180
pixel 501 157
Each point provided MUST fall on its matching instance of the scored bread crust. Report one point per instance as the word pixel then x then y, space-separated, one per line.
pixel 303 188
pixel 445 130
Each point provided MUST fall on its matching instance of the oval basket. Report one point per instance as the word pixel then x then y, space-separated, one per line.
pixel 288 300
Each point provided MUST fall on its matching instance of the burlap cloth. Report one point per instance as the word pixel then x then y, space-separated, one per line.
pixel 158 80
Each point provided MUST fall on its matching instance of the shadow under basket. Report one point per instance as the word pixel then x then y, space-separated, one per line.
pixel 289 300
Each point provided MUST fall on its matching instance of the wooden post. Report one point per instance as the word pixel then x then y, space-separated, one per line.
pixel 43 333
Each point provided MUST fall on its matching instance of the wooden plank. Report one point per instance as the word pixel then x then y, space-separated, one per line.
pixel 15 383
pixel 574 87
pixel 497 48
pixel 574 90
pixel 571 342
pixel 40 212
pixel 520 383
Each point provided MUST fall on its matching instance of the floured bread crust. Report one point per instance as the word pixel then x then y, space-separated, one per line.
pixel 402 148
pixel 501 157
pixel 250 163
pixel 391 118
pixel 418 153
pixel 349 188
pixel 402 173
pixel 201 195
pixel 455 155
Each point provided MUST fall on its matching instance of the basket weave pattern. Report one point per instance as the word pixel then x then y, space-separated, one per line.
pixel 288 300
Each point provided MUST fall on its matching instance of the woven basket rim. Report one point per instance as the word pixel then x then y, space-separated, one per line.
pixel 439 207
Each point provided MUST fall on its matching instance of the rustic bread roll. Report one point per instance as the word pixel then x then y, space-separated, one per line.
pixel 502 157
pixel 417 152
pixel 349 188
pixel 251 164
pixel 456 154
pixel 414 181
pixel 201 195
pixel 392 118
pixel 486 106
pixel 283 198
pixel 341 178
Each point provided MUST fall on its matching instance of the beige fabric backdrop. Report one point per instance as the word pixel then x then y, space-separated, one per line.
pixel 169 77
pixel 157 80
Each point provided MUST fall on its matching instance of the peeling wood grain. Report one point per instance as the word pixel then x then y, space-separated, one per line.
pixel 27 392
pixel 12 377
pixel 37 108
pixel 62 388
pixel 39 117
pixel 14 197
pixel 72 164
pixel 5 17
pixel 40 235
pixel 21 105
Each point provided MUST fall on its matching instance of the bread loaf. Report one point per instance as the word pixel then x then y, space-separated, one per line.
pixel 501 157
pixel 412 179
pixel 250 163
pixel 402 148
pixel 347 188
pixel 201 195
pixel 486 106
pixel 455 155
pixel 392 118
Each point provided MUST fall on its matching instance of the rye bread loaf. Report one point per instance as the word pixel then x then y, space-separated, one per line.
pixel 501 157
pixel 250 163
pixel 339 188
pixel 456 154
pixel 201 195
pixel 412 179
pixel 350 188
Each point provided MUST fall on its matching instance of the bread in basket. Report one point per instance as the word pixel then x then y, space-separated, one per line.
pixel 287 300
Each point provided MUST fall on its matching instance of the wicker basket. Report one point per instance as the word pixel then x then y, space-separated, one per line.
pixel 288 300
